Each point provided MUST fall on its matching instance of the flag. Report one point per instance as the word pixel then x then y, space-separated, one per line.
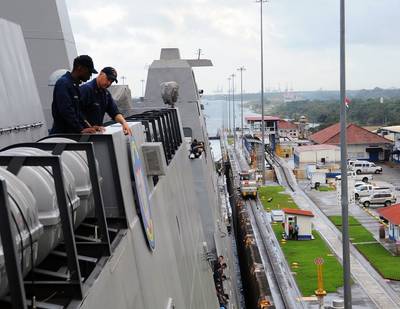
pixel 347 101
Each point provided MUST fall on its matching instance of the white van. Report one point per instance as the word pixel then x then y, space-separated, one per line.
pixel 350 163
pixel 367 190
pixel 365 167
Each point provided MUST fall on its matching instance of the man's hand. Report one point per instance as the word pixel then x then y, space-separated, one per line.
pixel 126 128
pixel 99 129
pixel 89 131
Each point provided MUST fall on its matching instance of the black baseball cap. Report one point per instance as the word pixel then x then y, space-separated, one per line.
pixel 85 61
pixel 111 73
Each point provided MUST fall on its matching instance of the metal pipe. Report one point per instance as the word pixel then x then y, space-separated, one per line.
pixel 229 105
pixel 262 91
pixel 343 163
pixel 234 115
pixel 241 69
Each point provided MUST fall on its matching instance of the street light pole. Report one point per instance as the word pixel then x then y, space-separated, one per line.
pixel 241 69
pixel 343 163
pixel 142 81
pixel 234 115
pixel 229 105
pixel 262 90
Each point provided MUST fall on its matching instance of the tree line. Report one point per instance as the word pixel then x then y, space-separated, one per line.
pixel 364 112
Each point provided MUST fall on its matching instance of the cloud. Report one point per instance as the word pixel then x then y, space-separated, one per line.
pixel 101 18
pixel 301 39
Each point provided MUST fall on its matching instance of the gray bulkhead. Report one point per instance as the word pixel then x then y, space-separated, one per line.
pixel 21 117
pixel 136 277
pixel 48 36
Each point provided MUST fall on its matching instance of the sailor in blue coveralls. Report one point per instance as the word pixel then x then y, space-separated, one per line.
pixel 96 100
pixel 66 96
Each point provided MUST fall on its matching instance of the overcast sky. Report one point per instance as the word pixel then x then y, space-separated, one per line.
pixel 301 40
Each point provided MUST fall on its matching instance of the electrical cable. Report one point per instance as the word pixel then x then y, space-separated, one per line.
pixel 31 246
pixel 19 234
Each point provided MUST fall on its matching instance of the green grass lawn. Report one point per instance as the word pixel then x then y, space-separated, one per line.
pixel 279 198
pixel 337 220
pixel 325 189
pixel 381 259
pixel 304 253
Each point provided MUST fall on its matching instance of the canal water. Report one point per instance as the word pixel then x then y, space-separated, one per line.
pixel 216 114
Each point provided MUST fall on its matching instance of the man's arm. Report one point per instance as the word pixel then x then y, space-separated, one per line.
pixel 86 100
pixel 113 111
pixel 125 126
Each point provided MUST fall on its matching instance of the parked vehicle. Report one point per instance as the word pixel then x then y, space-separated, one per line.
pixel 357 177
pixel 361 167
pixel 350 163
pixel 378 198
pixel 368 189
pixel 358 183
pixel 317 179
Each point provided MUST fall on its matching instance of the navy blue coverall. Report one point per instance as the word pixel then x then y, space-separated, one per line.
pixel 65 107
pixel 95 102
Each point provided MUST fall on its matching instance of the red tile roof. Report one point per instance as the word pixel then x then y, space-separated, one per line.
pixel 391 213
pixel 355 135
pixel 258 118
pixel 298 212
pixel 317 147
pixel 286 125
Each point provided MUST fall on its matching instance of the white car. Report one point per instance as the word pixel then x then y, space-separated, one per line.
pixel 358 183
pixel 378 198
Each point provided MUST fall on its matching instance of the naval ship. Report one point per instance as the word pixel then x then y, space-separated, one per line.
pixel 104 220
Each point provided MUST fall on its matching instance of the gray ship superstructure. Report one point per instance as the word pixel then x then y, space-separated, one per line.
pixel 107 220
pixel 49 40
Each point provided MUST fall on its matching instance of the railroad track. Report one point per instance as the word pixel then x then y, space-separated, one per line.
pixel 283 181
pixel 283 288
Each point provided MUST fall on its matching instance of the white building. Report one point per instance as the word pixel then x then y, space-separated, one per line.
pixel 300 219
pixel 316 154
pixel 287 130
pixel 392 133
pixel 392 215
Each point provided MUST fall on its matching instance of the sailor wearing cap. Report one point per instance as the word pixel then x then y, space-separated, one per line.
pixel 96 100
pixel 66 96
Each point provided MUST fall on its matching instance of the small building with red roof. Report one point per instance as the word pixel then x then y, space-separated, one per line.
pixel 298 221
pixel 270 123
pixel 287 129
pixel 361 143
pixel 254 123
pixel 392 215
